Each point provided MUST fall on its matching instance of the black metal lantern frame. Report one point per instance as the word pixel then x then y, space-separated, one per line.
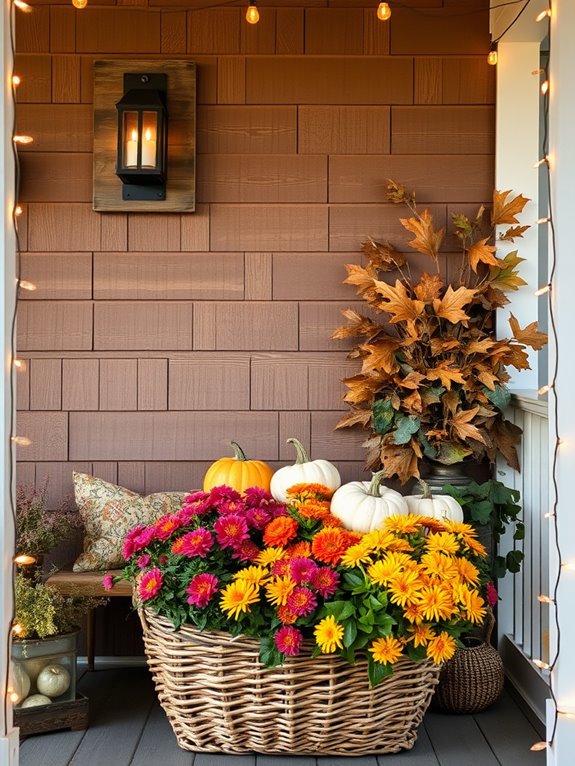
pixel 142 137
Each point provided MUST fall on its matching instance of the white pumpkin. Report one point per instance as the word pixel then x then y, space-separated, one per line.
pixel 35 700
pixel 53 681
pixel 33 666
pixel 304 470
pixel 364 505
pixel 442 507
pixel 18 683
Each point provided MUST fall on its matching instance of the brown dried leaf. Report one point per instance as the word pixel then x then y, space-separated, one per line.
pixel 413 380
pixel 397 194
pixel 512 233
pixel 399 461
pixel 428 288
pixel 480 346
pixel 481 252
pixel 450 307
pixel 530 335
pixel 360 325
pixel 380 356
pixel 464 428
pixel 357 417
pixel 426 240
pixel 363 279
pixel 439 345
pixel 413 403
pixel 451 401
pixel 488 379
pixel 505 436
pixel 361 389
pixel 382 255
pixel 506 211
pixel 446 374
pixel 399 305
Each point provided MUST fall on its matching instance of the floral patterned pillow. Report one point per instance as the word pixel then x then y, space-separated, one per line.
pixel 108 513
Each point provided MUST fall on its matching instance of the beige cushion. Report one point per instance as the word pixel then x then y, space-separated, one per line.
pixel 108 513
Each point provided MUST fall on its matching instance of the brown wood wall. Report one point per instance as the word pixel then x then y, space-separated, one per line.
pixel 155 339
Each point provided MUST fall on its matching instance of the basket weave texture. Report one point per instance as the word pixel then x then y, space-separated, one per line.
pixel 219 698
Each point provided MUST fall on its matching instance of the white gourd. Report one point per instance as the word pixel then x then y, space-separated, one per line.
pixel 18 683
pixel 442 507
pixel 364 505
pixel 53 681
pixel 305 471
pixel 35 700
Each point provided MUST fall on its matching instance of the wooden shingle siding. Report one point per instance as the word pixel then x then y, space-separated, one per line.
pixel 152 340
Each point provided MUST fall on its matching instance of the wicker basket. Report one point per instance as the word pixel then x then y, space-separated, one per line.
pixel 219 698
pixel 472 680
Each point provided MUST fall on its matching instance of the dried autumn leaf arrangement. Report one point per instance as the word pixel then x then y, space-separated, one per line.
pixel 432 384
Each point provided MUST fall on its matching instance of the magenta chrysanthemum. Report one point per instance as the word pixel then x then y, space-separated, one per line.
pixel 325 581
pixel 195 543
pixel 302 569
pixel 232 506
pixel 150 584
pixel 231 530
pixel 302 601
pixel 246 551
pixel 222 494
pixel 144 560
pixel 108 582
pixel 201 589
pixel 168 524
pixel 255 497
pixel 288 640
pixel 281 568
pixel 258 518
pixel 195 497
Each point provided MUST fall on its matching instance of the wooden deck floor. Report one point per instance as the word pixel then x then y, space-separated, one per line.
pixel 128 728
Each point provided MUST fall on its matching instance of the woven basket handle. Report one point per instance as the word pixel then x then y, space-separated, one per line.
pixel 488 625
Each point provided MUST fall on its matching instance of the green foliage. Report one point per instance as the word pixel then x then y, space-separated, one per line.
pixel 494 505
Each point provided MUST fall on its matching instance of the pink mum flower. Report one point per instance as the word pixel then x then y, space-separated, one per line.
pixel 195 497
pixel 282 568
pixel 195 543
pixel 232 506
pixel 301 601
pixel 222 494
pixel 302 569
pixel 150 584
pixel 491 594
pixel 166 525
pixel 128 545
pixel 108 581
pixel 144 560
pixel 255 497
pixel 231 530
pixel 288 640
pixel 246 551
pixel 201 589
pixel 325 581
pixel 258 518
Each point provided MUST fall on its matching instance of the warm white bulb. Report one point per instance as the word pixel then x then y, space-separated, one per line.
pixel 543 15
pixel 544 389
pixel 569 567
pixel 16 80
pixel 18 210
pixel 24 559
pixel 540 162
pixel 14 697
pixel 544 599
pixel 23 6
pixel 538 746
pixel 492 58
pixel 541 664
pixel 25 285
pixel 17 629
pixel 20 365
pixel 540 221
pixel 383 11
pixel 544 87
pixel 543 290
pixel 252 14
pixel 79 4
pixel 21 441
pixel 18 139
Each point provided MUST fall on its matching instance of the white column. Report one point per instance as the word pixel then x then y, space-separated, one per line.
pixel 562 161
pixel 517 150
pixel 8 735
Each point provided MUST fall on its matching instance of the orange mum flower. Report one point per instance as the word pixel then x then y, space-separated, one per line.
pixel 303 549
pixel 314 509
pixel 441 648
pixel 305 490
pixel 280 531
pixel 329 545
pixel 286 615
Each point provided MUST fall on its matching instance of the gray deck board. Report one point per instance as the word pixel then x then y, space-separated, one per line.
pixel 128 728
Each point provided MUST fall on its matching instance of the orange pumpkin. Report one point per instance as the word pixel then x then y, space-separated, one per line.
pixel 238 472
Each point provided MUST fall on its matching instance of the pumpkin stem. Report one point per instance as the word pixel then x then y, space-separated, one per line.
pixel 426 492
pixel 239 454
pixel 302 456
pixel 376 480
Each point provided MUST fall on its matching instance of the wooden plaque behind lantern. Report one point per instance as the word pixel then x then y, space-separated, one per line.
pixel 181 162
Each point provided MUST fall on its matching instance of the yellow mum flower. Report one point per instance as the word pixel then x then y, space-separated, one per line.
pixel 421 634
pixel 278 591
pixel 436 603
pixel 459 528
pixel 441 648
pixel 400 545
pixel 329 635
pixel 403 524
pixel 445 542
pixel 378 539
pixel 237 597
pixel 253 575
pixel 391 564
pixel 386 650
pixel 357 554
pixel 467 571
pixel 474 546
pixel 440 565
pixel 403 587
pixel 414 613
pixel 270 556
pixel 473 604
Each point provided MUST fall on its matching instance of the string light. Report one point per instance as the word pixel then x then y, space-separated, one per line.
pixel 383 12
pixel 545 599
pixel 549 515
pixel 21 441
pixel 542 161
pixel 541 221
pixel 16 80
pixel 18 210
pixel 79 4
pixel 26 285
pixel 543 15
pixel 17 629
pixel 541 664
pixel 24 559
pixel 20 365
pixel 539 746
pixel 492 58
pixel 14 697
pixel 569 567
pixel 252 13
pixel 21 5
pixel 544 389
pixel 543 290
pixel 565 714
pixel 22 139
pixel 544 87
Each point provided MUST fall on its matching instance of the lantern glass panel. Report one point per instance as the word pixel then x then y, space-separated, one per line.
pixel 130 140
pixel 149 139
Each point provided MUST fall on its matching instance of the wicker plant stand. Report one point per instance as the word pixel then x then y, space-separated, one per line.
pixel 219 698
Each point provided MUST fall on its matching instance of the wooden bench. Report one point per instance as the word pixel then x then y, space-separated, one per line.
pixel 70 583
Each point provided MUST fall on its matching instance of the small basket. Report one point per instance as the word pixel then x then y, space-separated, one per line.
pixel 472 680
pixel 219 698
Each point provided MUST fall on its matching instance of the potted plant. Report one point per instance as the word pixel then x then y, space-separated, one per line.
pixel 432 385
pixel 255 612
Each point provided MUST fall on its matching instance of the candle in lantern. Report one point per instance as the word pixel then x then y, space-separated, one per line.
pixel 132 151
pixel 148 150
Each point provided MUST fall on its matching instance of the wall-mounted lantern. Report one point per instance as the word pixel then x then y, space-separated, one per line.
pixel 142 137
